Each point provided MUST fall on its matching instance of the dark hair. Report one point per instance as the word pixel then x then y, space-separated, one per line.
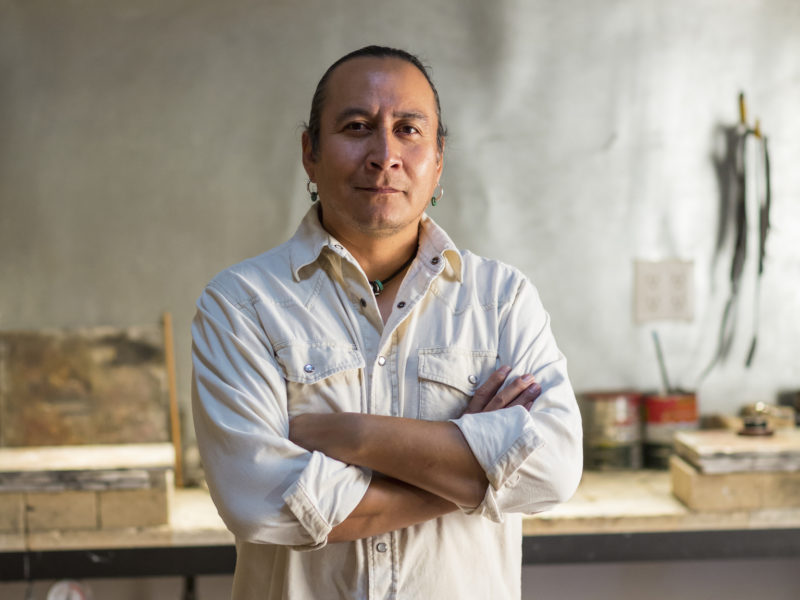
pixel 313 126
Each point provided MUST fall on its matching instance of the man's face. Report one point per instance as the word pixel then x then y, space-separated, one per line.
pixel 377 163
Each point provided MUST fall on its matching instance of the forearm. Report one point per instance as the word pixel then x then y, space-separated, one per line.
pixel 387 506
pixel 430 455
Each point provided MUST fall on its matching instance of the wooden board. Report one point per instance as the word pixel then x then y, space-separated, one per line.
pixel 95 468
pixel 86 458
pixel 724 451
pixel 85 386
pixel 733 491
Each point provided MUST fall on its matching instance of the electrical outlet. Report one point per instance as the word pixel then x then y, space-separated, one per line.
pixel 663 290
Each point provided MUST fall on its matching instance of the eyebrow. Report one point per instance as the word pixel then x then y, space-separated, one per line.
pixel 362 112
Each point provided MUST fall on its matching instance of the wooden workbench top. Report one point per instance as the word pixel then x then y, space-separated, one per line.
pixel 619 502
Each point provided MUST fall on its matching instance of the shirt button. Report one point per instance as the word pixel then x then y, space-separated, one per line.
pixel 401 304
pixel 435 260
pixel 472 379
pixel 363 303
pixel 381 360
pixel 309 368
pixel 381 547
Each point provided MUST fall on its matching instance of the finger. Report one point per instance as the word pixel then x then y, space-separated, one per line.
pixel 527 397
pixel 509 393
pixel 488 389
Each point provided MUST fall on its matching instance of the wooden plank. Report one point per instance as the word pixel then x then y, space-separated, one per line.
pixel 174 413
pixel 99 385
pixel 724 451
pixel 88 457
pixel 96 468
pixel 733 491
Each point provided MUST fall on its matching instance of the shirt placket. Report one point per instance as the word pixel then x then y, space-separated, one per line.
pixel 380 375
pixel 383 368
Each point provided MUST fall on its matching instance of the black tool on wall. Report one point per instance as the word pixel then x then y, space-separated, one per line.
pixel 734 172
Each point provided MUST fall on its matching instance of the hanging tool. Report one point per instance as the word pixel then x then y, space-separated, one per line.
pixel 666 388
pixel 764 206
pixel 739 153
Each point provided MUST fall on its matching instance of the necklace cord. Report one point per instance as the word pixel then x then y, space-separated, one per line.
pixel 378 284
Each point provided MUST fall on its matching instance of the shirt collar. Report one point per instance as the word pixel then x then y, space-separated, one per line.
pixel 433 242
pixel 308 242
pixel 311 239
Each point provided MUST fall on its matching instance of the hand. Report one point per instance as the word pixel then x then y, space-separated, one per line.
pixel 520 392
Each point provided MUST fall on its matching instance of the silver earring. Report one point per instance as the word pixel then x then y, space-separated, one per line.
pixel 435 198
pixel 313 193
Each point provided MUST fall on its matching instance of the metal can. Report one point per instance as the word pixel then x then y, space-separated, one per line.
pixel 666 414
pixel 612 430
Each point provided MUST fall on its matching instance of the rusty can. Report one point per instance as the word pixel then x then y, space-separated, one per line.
pixel 612 430
pixel 665 415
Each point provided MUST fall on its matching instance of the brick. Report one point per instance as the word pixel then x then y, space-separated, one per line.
pixel 61 510
pixel 134 508
pixel 12 513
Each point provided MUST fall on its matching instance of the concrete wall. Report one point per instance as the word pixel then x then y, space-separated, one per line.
pixel 146 145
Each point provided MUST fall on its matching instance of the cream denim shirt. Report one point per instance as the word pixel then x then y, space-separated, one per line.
pixel 298 330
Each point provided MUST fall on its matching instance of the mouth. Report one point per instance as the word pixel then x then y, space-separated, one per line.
pixel 380 190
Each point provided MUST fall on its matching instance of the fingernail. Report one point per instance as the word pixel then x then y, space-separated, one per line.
pixel 505 369
pixel 527 378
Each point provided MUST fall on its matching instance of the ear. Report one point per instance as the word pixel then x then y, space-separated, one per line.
pixel 440 160
pixel 309 164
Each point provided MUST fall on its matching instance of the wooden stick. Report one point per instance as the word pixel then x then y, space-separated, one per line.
pixel 174 415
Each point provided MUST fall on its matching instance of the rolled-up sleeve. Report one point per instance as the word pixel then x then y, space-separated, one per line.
pixel 533 459
pixel 266 488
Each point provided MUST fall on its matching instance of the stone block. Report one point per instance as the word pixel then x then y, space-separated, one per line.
pixel 134 508
pixel 61 510
pixel 12 513
pixel 755 490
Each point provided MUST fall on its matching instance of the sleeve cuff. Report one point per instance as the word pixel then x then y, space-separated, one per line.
pixel 326 492
pixel 501 441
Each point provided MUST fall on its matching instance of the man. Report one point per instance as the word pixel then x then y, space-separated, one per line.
pixel 374 408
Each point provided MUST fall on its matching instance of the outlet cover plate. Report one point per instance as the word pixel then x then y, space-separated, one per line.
pixel 663 290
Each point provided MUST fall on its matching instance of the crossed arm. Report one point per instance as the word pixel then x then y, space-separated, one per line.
pixel 426 467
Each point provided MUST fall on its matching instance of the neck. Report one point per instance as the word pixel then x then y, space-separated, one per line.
pixel 382 262
pixel 379 255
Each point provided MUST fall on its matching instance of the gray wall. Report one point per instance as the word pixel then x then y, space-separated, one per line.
pixel 146 145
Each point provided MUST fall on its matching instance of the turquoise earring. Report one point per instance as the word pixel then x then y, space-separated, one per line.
pixel 435 199
pixel 313 193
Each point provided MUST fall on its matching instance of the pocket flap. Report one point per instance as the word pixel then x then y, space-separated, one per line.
pixel 310 362
pixel 461 369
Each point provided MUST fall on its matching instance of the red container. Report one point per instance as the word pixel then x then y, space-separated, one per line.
pixel 664 415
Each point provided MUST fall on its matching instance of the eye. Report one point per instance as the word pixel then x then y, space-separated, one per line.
pixel 356 126
pixel 408 129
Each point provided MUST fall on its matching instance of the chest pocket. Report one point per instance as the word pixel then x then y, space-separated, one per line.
pixel 321 377
pixel 448 377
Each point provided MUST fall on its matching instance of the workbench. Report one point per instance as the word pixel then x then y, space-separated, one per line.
pixel 614 516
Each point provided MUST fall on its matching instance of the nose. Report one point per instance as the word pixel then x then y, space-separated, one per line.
pixel 384 151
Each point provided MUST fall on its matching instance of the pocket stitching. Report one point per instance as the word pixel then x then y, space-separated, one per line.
pixel 291 354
